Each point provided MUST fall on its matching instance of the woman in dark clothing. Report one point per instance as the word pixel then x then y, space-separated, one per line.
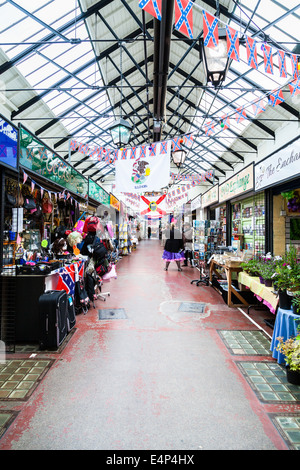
pixel 173 248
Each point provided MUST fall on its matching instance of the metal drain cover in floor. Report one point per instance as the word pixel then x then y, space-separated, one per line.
pixel 192 307
pixel 111 314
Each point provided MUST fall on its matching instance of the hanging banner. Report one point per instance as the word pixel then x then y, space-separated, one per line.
pixel 114 202
pixel 8 144
pixel 149 172
pixel 153 206
pixel 98 194
pixel 238 184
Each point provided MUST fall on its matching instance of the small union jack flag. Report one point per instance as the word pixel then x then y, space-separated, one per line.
pixel 210 30
pixel 124 154
pixel 153 7
pixel 184 17
pixel 226 121
pixel 282 63
pixel 188 140
pixel 276 98
pixel 152 150
pixel 143 151
pixel 251 52
pixel 133 153
pixel 232 43
pixel 268 58
pixel 163 147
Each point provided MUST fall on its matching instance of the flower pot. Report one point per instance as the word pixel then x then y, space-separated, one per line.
pixel 261 280
pixel 292 376
pixel 268 282
pixel 285 300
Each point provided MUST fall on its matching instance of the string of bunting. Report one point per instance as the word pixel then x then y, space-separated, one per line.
pixel 57 195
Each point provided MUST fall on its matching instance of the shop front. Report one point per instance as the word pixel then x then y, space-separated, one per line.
pixel 279 176
pixel 247 215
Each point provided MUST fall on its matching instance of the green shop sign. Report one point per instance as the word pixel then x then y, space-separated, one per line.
pixel 98 194
pixel 238 184
pixel 38 158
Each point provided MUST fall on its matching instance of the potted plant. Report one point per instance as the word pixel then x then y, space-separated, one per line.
pixel 286 277
pixel 250 266
pixel 266 269
pixel 291 350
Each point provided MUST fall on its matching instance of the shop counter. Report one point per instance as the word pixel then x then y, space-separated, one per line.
pixel 286 327
pixel 263 294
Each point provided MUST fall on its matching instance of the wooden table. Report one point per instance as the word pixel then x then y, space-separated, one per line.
pixel 213 269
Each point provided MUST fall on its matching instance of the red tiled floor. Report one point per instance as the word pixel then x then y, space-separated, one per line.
pixel 161 378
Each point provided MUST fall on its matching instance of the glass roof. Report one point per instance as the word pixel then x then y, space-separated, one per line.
pixel 50 44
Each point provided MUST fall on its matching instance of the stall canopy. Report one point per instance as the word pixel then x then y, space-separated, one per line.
pixel 69 69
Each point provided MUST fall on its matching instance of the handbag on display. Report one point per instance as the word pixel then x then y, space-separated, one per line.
pixel 29 203
pixel 47 206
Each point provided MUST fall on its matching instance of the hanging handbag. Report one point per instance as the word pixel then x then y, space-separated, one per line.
pixel 47 206
pixel 29 203
pixel 11 200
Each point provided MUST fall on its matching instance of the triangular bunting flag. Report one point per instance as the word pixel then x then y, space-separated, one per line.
pixel 188 140
pixel 251 52
pixel 268 58
pixel 232 43
pixel 276 98
pixel 176 144
pixel 184 17
pixel 210 30
pixel 153 7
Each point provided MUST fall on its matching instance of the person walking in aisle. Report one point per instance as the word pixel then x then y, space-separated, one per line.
pixel 188 246
pixel 173 250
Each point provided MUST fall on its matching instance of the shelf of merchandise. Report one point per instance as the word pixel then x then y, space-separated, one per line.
pixel 248 224
pixel 223 224
pixel 207 236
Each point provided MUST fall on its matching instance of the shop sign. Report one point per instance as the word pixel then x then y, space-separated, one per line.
pixel 211 196
pixel 35 156
pixel 8 144
pixel 237 185
pixel 196 203
pixel 98 194
pixel 114 202
pixel 281 166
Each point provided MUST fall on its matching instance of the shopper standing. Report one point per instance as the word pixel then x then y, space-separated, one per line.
pixel 173 248
pixel 188 245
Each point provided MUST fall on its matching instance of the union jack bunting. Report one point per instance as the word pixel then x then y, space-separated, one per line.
pixel 209 128
pixel 226 121
pixel 233 43
pixel 251 52
pixel 294 87
pixel 282 63
pixel 240 114
pixel 114 155
pixel 268 58
pixel 276 98
pixel 258 106
pixel 153 7
pixel 210 30
pixel 184 17
pixel 294 62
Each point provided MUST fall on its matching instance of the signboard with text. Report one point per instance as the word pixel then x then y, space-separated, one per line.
pixel 98 194
pixel 237 185
pixel 35 156
pixel 283 165
pixel 8 144
pixel 211 196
